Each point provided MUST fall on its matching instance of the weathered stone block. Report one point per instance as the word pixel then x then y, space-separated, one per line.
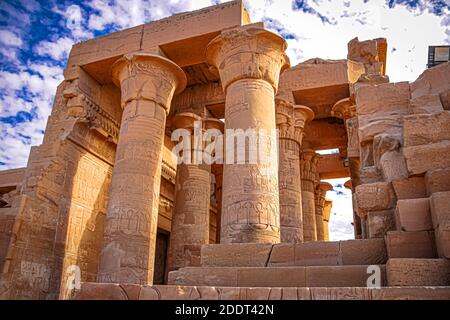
pixel 340 293
pixel 393 166
pixel 338 276
pixel 429 103
pixel 282 255
pixel 317 253
pixel 440 207
pixel 376 124
pixel 433 80
pixel 423 158
pixel 380 222
pixel 370 175
pixel 445 99
pixel 437 180
pixel 410 188
pixel 100 291
pixel 363 252
pixel 169 292
pixel 418 272
pixel 426 128
pixel 204 276
pixel 413 293
pixel 413 215
pixel 274 294
pixel 363 51
pixel 272 277
pixel 417 244
pixel 386 97
pixel 442 235
pixel 375 196
pixel 239 255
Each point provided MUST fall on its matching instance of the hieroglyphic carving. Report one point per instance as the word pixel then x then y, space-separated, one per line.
pixel 309 176
pixel 320 194
pixel 83 228
pixel 190 222
pixel 290 122
pixel 353 141
pixel 249 61
pixel 147 84
pixel 195 98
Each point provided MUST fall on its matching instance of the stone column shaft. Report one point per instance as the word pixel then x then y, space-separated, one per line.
pixel 249 60
pixel 321 191
pixel 309 181
pixel 147 84
pixel 190 219
pixel 326 219
pixel 291 121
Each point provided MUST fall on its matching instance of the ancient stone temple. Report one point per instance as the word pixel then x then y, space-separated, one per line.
pixel 104 210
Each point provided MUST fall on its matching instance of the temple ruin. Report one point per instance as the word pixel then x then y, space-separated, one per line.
pixel 103 201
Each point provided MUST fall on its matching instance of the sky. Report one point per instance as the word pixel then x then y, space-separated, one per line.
pixel 36 37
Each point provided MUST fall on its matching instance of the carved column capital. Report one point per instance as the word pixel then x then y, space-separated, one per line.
pixel 344 109
pixel 142 76
pixel 248 53
pixel 186 120
pixel 309 164
pixel 321 191
pixel 348 184
pixel 291 120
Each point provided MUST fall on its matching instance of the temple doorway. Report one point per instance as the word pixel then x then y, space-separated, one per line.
pixel 162 245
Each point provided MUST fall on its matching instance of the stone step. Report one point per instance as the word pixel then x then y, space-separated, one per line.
pixel 318 253
pixel 109 291
pixel 413 215
pixel 418 272
pixel 311 276
pixel 414 244
pixel 440 216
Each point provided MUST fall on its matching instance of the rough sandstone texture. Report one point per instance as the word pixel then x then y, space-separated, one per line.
pixel 100 291
pixel 414 244
pixel 298 276
pixel 250 192
pixel 103 197
pixel 320 253
pixel 413 215
pixel 418 272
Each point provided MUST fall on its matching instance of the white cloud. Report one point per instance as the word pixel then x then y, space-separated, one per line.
pixel 58 49
pixel 410 33
pixel 10 39
pixel 29 91
pixel 130 13
pixel 75 22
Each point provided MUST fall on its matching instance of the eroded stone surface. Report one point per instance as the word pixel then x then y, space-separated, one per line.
pixel 414 244
pixel 418 272
pixel 413 215
pixel 104 180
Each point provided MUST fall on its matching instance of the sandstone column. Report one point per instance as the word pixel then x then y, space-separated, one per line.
pixel 345 109
pixel 309 180
pixel 326 219
pixel 190 219
pixel 217 170
pixel 249 60
pixel 321 191
pixel 290 122
pixel 147 84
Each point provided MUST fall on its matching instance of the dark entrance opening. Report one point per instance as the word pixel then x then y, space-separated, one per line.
pixel 162 245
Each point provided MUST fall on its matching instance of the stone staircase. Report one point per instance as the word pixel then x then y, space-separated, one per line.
pixel 310 264
pixel 306 271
